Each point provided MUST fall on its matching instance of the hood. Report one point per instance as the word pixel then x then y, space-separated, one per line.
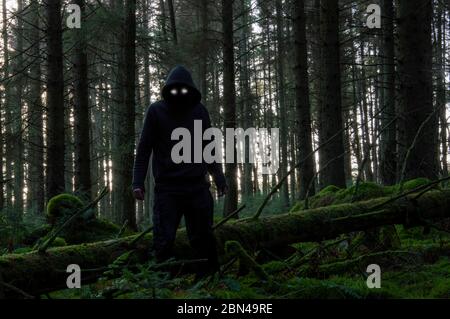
pixel 179 75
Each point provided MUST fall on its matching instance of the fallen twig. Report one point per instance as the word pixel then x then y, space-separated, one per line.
pixel 122 229
pixel 140 236
pixel 223 221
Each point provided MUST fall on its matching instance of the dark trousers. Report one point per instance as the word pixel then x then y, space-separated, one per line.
pixel 196 205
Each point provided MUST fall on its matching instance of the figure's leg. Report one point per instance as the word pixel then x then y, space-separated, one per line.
pixel 166 218
pixel 199 220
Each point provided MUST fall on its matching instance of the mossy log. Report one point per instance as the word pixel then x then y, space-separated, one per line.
pixel 37 273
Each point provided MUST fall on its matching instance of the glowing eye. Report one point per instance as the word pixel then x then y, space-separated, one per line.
pixel 174 91
pixel 184 91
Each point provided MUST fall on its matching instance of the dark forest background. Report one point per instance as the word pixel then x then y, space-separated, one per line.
pixel 364 142
pixel 352 103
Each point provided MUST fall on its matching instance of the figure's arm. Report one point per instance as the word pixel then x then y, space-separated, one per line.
pixel 214 168
pixel 143 152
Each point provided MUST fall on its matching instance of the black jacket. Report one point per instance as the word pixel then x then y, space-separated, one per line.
pixel 160 120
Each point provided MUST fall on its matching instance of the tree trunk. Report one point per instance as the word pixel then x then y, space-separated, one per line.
pixel 229 102
pixel 365 118
pixel 6 106
pixel 148 203
pixel 35 118
pixel 18 89
pixel 124 204
pixel 173 24
pixel 331 156
pixel 354 119
pixel 204 54
pixel 68 141
pixel 283 156
pixel 304 144
pixel 117 95
pixel 81 113
pixel 246 100
pixel 55 100
pixel 441 87
pixel 162 19
pixel 388 158
pixel 415 91
pixel 37 273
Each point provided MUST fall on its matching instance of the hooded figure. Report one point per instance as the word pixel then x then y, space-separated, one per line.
pixel 179 91
pixel 180 188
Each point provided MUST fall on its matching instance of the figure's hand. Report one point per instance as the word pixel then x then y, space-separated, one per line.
pixel 138 193
pixel 221 191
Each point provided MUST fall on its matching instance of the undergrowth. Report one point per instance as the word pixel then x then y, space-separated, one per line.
pixel 410 280
pixel 297 276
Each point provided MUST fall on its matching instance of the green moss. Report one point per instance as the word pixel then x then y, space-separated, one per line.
pixel 62 206
pixel 274 267
pixel 414 183
pixel 22 250
pixel 322 200
pixel 319 200
pixel 58 242
pixel 332 195
pixel 441 290
pixel 415 237
pixel 389 237
pixel 412 280
pixel 84 230
pixel 329 189
pixel 363 191
pixel 420 281
pixel 298 206
pixel 390 190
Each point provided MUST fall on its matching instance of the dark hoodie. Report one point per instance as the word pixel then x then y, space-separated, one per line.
pixel 161 119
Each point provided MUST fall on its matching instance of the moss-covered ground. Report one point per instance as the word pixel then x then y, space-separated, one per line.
pixel 334 269
pixel 410 281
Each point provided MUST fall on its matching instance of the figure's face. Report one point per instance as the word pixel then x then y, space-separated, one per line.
pixel 179 91
pixel 179 96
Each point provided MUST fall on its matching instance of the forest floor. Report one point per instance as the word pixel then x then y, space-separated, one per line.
pixel 414 263
pixel 404 277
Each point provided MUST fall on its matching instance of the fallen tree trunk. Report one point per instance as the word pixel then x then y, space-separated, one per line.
pixel 37 273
